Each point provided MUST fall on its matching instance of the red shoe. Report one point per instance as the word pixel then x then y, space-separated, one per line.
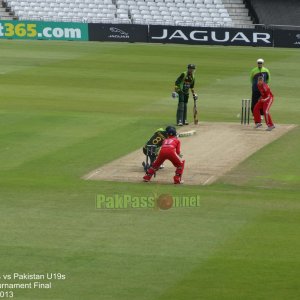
pixel 177 180
pixel 147 178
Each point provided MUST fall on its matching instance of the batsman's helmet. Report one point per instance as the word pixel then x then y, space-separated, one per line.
pixel 169 127
pixel 171 131
pixel 191 66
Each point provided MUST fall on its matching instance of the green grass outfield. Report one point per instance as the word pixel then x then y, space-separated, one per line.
pixel 68 107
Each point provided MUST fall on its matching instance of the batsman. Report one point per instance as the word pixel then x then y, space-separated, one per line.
pixel 183 84
pixel 170 150
pixel 152 146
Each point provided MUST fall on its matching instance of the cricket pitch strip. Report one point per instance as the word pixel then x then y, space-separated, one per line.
pixel 214 150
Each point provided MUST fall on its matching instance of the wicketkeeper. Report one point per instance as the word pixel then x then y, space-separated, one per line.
pixel 170 150
pixel 183 84
pixel 265 101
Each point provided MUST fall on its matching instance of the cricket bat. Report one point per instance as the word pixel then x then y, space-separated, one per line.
pixel 195 111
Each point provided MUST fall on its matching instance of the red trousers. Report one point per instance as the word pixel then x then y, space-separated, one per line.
pixel 164 154
pixel 265 106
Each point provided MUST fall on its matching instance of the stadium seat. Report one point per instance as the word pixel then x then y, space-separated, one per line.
pixel 131 11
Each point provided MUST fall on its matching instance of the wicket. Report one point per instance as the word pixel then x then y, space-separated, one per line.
pixel 245 115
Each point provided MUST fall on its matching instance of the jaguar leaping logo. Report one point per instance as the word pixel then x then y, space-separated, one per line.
pixel 117 30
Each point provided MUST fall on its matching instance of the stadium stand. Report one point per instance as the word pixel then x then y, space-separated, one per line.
pixel 276 12
pixel 5 14
pixel 210 13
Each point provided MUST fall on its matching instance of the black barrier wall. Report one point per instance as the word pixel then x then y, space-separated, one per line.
pixel 210 36
pixel 287 38
pixel 118 32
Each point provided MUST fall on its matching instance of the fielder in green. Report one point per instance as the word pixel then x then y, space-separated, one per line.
pixel 183 84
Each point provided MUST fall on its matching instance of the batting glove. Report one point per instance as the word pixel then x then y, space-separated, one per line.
pixel 177 88
pixel 174 95
pixel 195 96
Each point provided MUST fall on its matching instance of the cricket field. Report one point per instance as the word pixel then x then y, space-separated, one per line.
pixel 67 108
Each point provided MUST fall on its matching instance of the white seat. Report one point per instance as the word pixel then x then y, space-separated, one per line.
pixel 210 5
pixel 181 9
pixel 154 9
pixel 122 16
pixel 147 17
pixel 165 13
pixel 224 15
pixel 170 4
pixel 205 14
pixel 218 20
pixel 195 14
pixel 207 19
pixel 175 13
pixel 123 6
pixel 135 11
pixel 145 12
pixel 223 10
pixel 163 8
pixel 111 6
pixel 185 14
pixel 227 20
pixel 143 7
pixel 201 5
pixel 167 18
pixel 92 5
pixel 137 15
pixel 155 13
pixel 86 10
pixel 180 5
pixel 171 9
pixel 187 19
pixel 215 15
pixel 91 15
pixel 121 11
pixel 62 5
pixel 213 10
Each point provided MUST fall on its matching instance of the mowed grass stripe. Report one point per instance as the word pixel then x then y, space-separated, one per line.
pixel 40 135
pixel 259 262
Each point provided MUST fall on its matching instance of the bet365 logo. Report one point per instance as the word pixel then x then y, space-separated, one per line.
pixel 20 30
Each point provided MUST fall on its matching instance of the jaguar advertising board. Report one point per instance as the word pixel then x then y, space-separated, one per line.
pixel 118 32
pixel 210 36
